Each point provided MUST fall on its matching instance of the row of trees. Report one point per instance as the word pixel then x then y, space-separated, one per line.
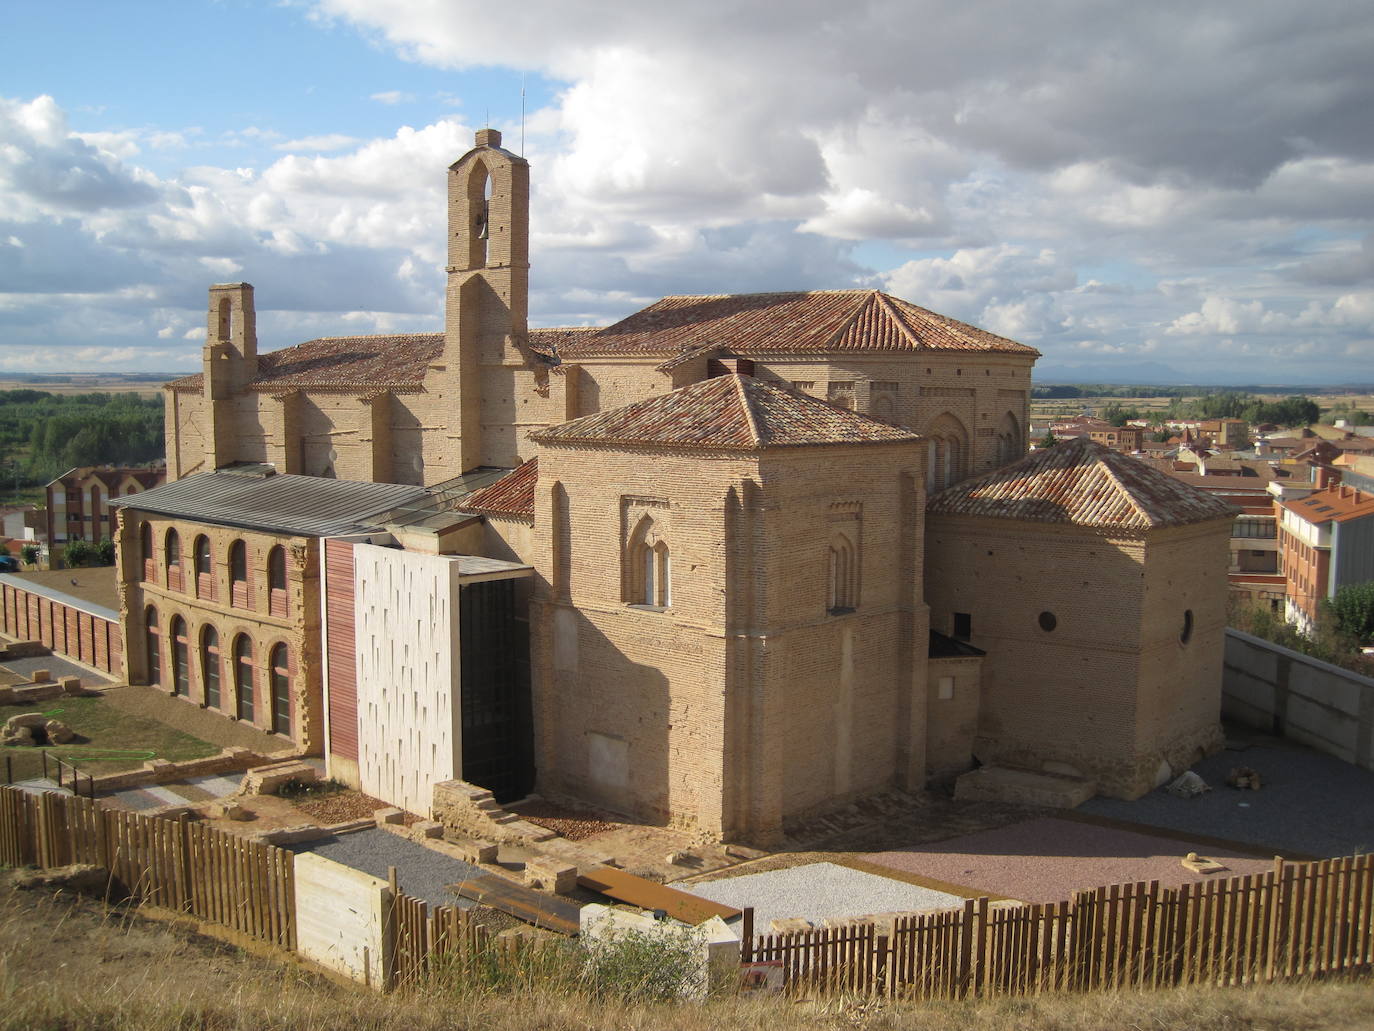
pixel 1291 411
pixel 42 435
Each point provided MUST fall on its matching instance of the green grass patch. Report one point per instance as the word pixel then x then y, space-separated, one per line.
pixel 108 739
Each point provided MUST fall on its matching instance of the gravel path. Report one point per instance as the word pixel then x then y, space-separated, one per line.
pixel 1044 860
pixel 816 892
pixel 421 872
pixel 58 667
pixel 1310 803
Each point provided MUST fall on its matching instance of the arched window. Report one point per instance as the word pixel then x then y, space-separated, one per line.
pixel 243 677
pixel 238 575
pixel 281 690
pixel 843 589
pixel 181 673
pixel 1010 445
pixel 205 570
pixel 152 641
pixel 223 319
pixel 947 444
pixel 145 548
pixel 276 581
pixel 172 554
pixel 649 567
pixel 479 206
pixel 209 665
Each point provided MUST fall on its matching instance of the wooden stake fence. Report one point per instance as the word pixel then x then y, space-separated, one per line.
pixel 175 864
pixel 1298 920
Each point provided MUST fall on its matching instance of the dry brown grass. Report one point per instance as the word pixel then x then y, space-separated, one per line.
pixel 71 964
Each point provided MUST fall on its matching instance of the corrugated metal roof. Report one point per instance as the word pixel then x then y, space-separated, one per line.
pixel 819 321
pixel 733 412
pixel 310 506
pixel 512 495
pixel 1084 483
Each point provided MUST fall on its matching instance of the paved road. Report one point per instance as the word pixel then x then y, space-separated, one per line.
pixel 1310 803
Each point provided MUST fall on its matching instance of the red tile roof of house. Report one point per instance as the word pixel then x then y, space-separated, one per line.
pixel 820 321
pixel 394 360
pixel 1336 503
pixel 727 412
pixel 512 494
pixel 1083 483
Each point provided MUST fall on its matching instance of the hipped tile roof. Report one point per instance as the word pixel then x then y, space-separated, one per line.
pixel 1086 484
pixel 818 321
pixel 733 412
pixel 395 360
pixel 1337 503
pixel 512 494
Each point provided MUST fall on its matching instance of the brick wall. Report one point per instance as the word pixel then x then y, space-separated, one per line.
pixel 28 613
pixel 1101 686
pixel 298 627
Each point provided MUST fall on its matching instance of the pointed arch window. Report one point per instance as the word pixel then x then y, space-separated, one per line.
pixel 947 445
pixel 649 567
pixel 1010 444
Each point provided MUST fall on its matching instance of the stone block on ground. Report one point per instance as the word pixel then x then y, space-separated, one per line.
pixel 427 829
pixel 389 815
pixel 1022 787
pixel 551 875
pixel 789 925
pixel 73 688
pixel 266 780
pixel 37 693
pixel 26 719
pixel 41 676
pixel 230 809
pixel 58 732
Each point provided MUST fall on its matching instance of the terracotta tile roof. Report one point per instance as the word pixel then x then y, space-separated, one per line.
pixel 1083 483
pixel 819 321
pixel 512 494
pixel 731 412
pixel 394 360
pixel 1338 504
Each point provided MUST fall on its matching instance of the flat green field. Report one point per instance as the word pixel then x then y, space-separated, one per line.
pixel 108 739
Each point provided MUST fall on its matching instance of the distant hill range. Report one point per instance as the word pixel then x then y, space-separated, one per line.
pixel 1169 379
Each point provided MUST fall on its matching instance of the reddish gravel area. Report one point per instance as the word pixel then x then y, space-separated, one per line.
pixel 572 824
pixel 342 807
pixel 1045 860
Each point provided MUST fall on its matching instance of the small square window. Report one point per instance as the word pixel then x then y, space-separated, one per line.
pixel 946 688
pixel 963 625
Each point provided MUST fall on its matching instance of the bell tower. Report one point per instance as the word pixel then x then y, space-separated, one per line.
pixel 488 284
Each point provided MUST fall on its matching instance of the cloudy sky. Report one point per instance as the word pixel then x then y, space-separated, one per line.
pixel 1143 191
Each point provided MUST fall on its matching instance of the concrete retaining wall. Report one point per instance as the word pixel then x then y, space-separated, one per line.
pixel 341 917
pixel 1279 690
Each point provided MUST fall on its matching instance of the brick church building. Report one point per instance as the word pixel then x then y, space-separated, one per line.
pixel 726 563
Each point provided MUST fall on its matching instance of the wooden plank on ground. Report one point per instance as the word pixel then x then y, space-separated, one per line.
pixel 645 894
pixel 533 907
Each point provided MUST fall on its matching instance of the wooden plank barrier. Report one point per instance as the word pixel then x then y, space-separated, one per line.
pixel 1296 921
pixel 175 864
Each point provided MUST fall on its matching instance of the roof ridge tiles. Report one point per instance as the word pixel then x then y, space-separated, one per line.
pixel 746 403
pixel 731 412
